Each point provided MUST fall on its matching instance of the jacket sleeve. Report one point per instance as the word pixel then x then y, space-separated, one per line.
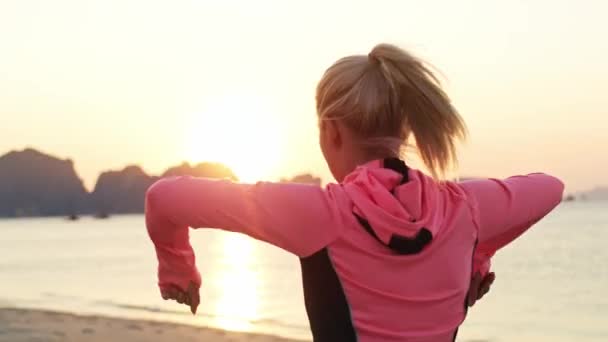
pixel 298 218
pixel 505 209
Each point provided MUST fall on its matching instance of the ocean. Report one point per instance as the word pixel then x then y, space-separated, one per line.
pixel 551 284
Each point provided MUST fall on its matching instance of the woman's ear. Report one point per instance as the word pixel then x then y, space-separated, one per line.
pixel 334 133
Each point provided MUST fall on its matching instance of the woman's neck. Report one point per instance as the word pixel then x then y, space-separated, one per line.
pixel 358 158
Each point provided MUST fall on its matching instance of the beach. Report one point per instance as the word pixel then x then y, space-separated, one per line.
pixel 25 325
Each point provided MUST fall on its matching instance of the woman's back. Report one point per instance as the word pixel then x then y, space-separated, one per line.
pixel 402 297
pixel 406 298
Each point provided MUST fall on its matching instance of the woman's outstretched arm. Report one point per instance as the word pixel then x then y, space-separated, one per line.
pixel 295 217
pixel 505 209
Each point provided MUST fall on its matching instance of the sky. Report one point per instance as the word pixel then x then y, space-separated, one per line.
pixel 112 83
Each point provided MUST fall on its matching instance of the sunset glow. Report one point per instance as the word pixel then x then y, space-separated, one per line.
pixel 239 131
pixel 102 83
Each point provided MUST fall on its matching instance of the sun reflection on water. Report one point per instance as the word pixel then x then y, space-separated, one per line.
pixel 238 301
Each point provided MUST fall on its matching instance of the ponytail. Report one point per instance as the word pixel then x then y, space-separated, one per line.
pixel 388 95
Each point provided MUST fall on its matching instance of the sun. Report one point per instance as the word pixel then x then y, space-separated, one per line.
pixel 240 131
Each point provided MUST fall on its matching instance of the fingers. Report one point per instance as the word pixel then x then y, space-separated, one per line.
pixel 473 293
pixel 194 296
pixel 169 293
pixel 180 297
pixel 487 282
pixel 173 293
pixel 191 297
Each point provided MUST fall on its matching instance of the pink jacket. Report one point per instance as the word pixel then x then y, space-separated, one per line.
pixel 356 287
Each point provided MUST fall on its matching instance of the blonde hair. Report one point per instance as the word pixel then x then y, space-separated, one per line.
pixel 387 96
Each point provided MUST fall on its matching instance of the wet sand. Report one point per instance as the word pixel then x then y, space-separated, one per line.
pixel 25 325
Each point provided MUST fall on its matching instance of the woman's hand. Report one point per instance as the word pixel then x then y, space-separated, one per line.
pixel 479 287
pixel 191 297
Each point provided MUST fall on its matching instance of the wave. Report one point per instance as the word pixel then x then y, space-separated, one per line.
pixel 62 296
pixel 155 309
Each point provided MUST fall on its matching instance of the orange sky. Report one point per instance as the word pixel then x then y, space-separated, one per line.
pixel 109 83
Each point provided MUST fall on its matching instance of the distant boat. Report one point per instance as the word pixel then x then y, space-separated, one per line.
pixel 73 217
pixel 102 215
pixel 569 198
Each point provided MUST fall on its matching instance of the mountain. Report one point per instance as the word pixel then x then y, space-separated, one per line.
pixel 210 170
pixel 124 191
pixel 305 178
pixel 596 194
pixel 121 192
pixel 36 184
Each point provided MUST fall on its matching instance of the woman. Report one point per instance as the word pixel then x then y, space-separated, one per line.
pixel 387 252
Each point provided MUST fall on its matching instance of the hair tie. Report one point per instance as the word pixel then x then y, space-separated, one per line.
pixel 373 58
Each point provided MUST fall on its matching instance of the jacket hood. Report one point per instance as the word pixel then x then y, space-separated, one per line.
pixel 394 200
